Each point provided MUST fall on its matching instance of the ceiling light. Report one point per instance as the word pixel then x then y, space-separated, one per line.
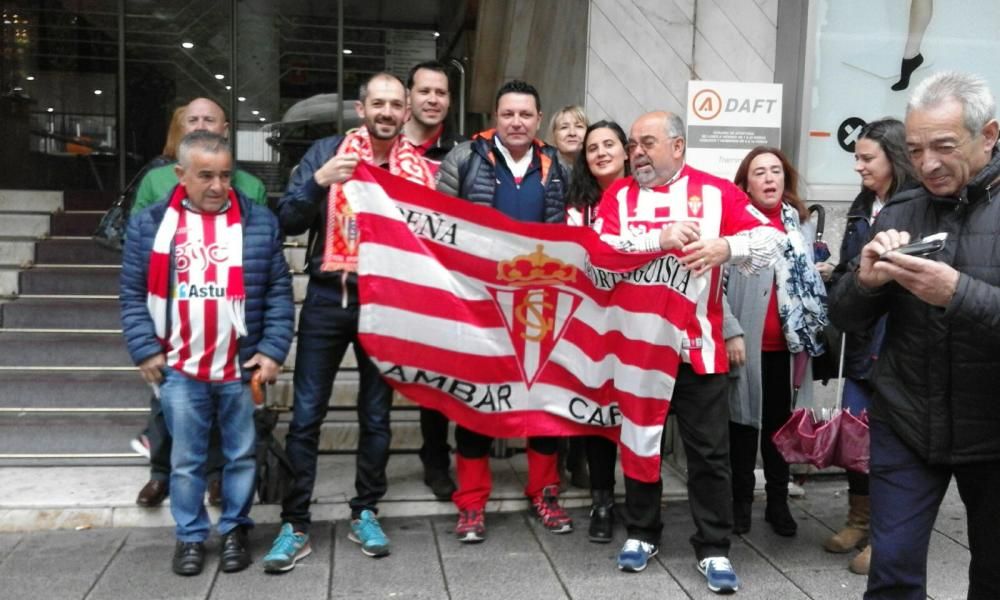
pixel 437 34
pixel 254 112
pixel 242 98
pixel 30 77
pixel 229 87
pixel 187 45
pixel 348 51
pixel 220 76
pixel 50 109
pixel 98 92
pixel 263 119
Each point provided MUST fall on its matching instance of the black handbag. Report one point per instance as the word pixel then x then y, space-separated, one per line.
pixel 275 473
pixel 110 232
pixel 830 364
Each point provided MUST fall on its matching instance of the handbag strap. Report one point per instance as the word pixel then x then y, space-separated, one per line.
pixel 840 373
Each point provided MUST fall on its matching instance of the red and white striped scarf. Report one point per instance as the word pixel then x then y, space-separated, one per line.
pixel 340 251
pixel 158 278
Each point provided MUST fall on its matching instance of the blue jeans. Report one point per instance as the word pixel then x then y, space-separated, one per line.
pixel 325 330
pixel 190 407
pixel 906 492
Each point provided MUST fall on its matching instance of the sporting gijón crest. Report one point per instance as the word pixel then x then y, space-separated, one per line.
pixel 535 311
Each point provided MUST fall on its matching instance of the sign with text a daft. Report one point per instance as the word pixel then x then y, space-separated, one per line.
pixel 725 119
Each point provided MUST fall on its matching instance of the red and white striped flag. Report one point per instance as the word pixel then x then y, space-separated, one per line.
pixel 518 329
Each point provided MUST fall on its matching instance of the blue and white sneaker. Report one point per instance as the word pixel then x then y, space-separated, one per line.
pixel 719 573
pixel 635 554
pixel 367 532
pixel 288 548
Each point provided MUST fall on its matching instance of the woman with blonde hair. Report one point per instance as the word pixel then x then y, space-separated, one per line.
pixel 566 131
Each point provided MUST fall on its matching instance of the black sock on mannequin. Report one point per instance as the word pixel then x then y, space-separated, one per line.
pixel 905 70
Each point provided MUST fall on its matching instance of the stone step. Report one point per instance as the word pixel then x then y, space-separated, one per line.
pixel 23 224
pixel 76 223
pixel 75 280
pixel 52 390
pixel 30 201
pixel 88 199
pixel 61 313
pixel 17 250
pixel 61 349
pixel 75 251
pixel 10 279
pixel 62 436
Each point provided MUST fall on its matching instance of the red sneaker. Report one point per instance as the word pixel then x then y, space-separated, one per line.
pixel 546 508
pixel 471 528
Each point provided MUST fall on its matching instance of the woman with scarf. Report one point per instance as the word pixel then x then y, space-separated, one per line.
pixel 602 160
pixel 776 319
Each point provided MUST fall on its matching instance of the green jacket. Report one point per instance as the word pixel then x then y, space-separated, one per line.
pixel 158 182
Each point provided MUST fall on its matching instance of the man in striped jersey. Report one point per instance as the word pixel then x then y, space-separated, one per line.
pixel 207 302
pixel 667 205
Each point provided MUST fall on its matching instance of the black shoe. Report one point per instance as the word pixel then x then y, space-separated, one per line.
pixel 602 517
pixel 780 518
pixel 742 511
pixel 440 483
pixel 189 558
pixel 235 555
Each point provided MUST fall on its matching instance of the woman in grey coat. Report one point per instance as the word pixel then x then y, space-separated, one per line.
pixel 769 319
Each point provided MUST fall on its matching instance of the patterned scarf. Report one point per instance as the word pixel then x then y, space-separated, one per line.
pixel 340 251
pixel 158 278
pixel 801 293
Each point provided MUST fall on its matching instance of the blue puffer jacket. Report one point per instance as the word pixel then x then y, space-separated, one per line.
pixel 469 171
pixel 270 311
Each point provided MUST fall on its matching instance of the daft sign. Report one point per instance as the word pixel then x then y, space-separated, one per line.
pixel 726 119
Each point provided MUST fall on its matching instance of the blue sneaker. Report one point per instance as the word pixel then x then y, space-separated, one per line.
pixel 367 532
pixel 719 572
pixel 635 554
pixel 288 548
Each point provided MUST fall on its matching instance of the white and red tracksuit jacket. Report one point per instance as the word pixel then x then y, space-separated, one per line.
pixel 630 218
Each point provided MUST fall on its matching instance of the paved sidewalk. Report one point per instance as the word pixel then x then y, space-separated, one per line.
pixel 518 560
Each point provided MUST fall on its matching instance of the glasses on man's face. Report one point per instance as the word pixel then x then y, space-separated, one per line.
pixel 647 143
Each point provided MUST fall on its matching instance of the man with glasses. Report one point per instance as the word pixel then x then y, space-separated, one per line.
pixel 667 205
pixel 934 412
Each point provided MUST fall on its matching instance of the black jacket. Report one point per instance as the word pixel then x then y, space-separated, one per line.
pixel 303 208
pixel 937 378
pixel 444 145
pixel 469 171
pixel 863 346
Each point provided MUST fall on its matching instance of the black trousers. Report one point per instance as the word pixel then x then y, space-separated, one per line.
pixel 701 408
pixel 434 452
pixel 775 374
pixel 470 444
pixel 601 456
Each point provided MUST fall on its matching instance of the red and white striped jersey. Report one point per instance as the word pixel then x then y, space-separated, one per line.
pixel 631 217
pixel 202 342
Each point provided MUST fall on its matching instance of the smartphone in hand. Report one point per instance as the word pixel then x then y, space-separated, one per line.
pixel 923 248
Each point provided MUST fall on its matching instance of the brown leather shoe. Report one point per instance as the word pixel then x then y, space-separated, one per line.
pixel 215 492
pixel 153 493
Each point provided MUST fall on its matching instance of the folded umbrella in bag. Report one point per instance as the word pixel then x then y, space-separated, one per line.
pixel 840 439
pixel 804 439
pixel 853 443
